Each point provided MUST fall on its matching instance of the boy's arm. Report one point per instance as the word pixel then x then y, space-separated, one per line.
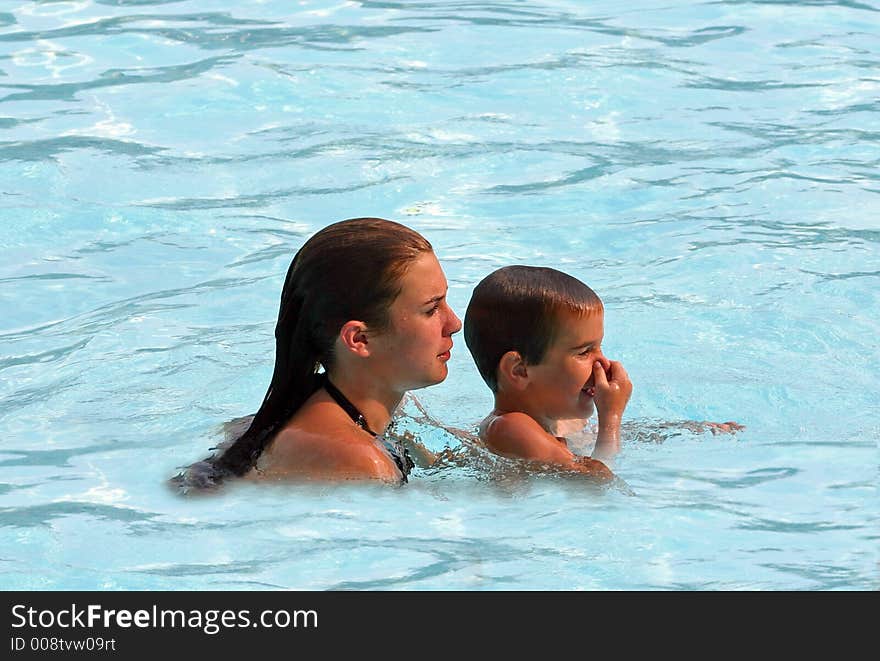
pixel 421 455
pixel 411 409
pixel 658 431
pixel 613 391
pixel 517 435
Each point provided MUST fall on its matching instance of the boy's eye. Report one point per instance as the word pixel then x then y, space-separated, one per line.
pixel 433 310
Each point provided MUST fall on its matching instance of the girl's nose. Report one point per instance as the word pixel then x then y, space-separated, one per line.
pixel 453 323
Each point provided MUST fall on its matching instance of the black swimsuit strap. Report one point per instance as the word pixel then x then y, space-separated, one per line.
pixel 400 455
pixel 356 416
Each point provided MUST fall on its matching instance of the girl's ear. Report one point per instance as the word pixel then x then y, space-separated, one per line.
pixel 513 371
pixel 353 337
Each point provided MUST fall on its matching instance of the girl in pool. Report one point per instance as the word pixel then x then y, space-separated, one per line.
pixel 363 319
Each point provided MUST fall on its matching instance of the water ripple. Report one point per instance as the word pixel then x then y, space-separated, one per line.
pixel 48 356
pixel 827 577
pixel 749 479
pixel 115 78
pixel 42 515
pixel 11 122
pixel 572 178
pixel 730 85
pixel 843 276
pixel 261 199
pixel 56 276
pixel 559 20
pixel 115 25
pixel 252 37
pixel 58 458
pixel 846 4
pixel 109 315
pixel 200 569
pixel 448 556
pixel 773 525
pixel 50 148
pixel 268 253
pixel 44 392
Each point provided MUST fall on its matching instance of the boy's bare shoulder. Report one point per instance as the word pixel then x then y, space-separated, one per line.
pixel 512 422
pixel 517 434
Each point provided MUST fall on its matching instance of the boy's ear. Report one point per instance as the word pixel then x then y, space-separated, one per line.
pixel 513 371
pixel 353 336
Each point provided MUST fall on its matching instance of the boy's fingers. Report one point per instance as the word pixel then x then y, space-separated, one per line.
pixel 618 373
pixel 599 374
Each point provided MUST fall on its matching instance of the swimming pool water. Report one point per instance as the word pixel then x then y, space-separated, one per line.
pixel 710 169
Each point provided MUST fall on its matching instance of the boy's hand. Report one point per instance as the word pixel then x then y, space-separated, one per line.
pixel 714 427
pixel 724 427
pixel 613 390
pixel 594 468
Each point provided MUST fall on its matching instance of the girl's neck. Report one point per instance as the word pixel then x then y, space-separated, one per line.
pixel 375 401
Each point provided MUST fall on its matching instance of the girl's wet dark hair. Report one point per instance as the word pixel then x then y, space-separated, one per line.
pixel 517 308
pixel 350 270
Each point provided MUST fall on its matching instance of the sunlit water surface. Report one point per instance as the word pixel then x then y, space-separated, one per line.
pixel 710 169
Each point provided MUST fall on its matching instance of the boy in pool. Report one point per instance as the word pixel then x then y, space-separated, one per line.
pixel 536 336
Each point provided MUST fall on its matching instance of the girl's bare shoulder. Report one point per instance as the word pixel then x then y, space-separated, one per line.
pixel 333 449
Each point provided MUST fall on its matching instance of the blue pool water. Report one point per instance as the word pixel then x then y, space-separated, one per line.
pixel 710 169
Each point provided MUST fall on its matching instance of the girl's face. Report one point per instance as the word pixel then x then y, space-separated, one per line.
pixel 413 352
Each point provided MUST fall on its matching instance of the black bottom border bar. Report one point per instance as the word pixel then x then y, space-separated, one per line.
pixel 232 624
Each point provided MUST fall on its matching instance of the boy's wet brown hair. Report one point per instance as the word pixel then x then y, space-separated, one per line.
pixel 517 308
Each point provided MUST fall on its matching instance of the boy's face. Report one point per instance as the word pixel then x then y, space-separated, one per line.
pixel 561 386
